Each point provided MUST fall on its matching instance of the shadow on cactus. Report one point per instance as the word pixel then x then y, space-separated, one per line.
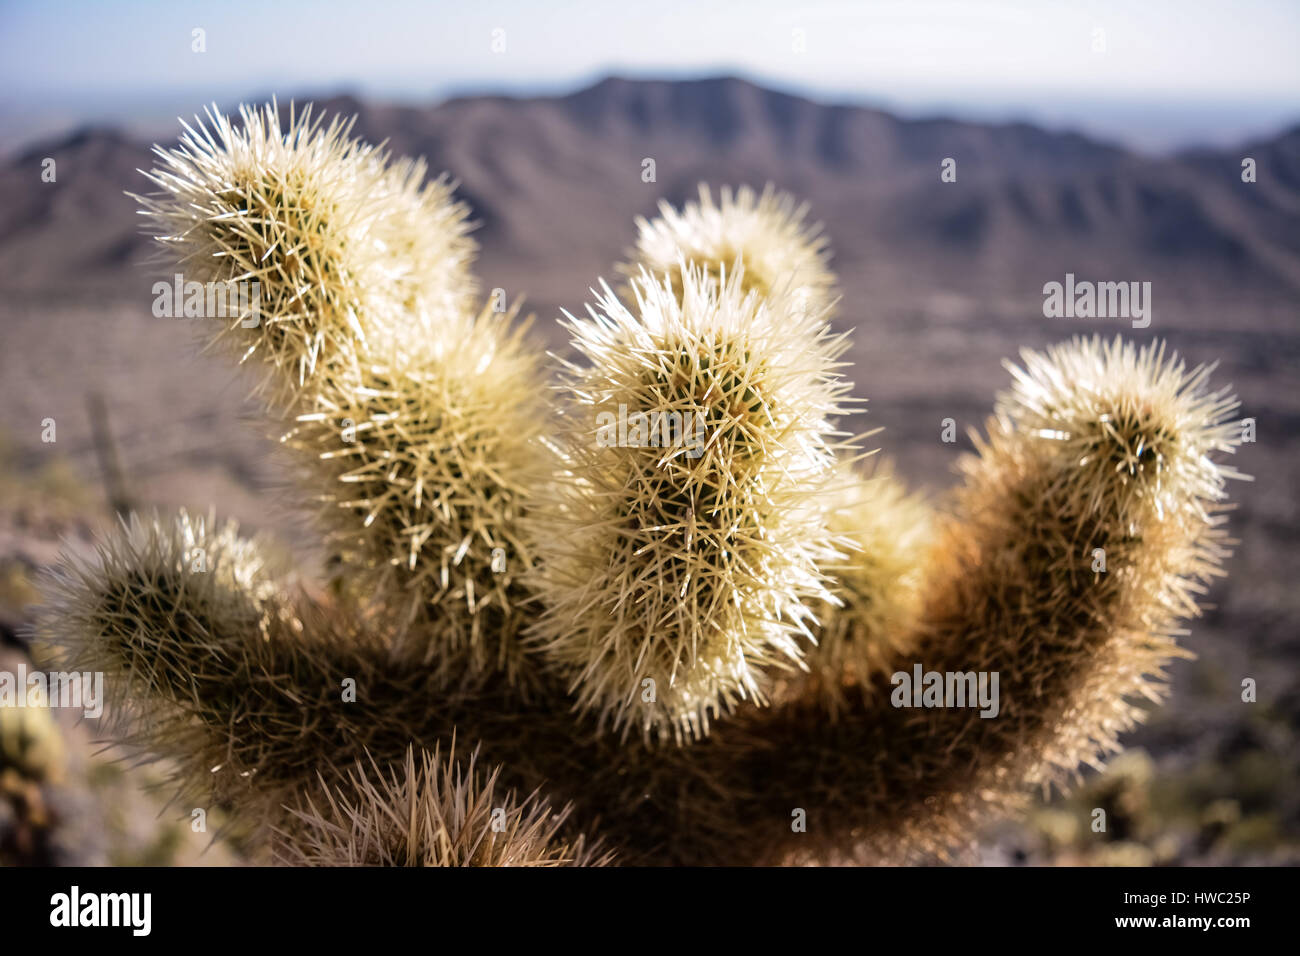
pixel 687 637
pixel 429 812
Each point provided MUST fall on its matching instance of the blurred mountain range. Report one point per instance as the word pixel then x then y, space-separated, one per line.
pixel 556 181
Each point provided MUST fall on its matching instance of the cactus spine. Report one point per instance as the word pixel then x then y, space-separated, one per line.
pixel 766 590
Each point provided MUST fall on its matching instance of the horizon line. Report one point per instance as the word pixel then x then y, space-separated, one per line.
pixel 923 109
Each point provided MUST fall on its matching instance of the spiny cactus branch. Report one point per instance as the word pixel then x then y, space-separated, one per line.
pixel 687 642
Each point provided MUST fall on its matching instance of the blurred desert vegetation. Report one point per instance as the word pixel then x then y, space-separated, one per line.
pixel 67 796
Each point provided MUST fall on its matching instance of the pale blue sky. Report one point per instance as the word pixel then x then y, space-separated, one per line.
pixel 1171 72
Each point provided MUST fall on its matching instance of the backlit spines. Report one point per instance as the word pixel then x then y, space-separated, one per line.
pixel 685 532
pixel 766 234
pixel 1116 453
pixel 428 811
pixel 884 535
pixel 423 464
pixel 215 659
pixel 676 570
pixel 1067 565
pixel 340 245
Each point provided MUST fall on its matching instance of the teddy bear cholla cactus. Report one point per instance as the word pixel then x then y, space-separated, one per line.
pixel 677 573
pixel 431 813
pixel 413 415
pixel 422 462
pixel 886 532
pixel 782 254
pixel 334 235
pixel 715 576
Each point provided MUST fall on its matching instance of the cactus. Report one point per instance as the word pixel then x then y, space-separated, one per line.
pixel 684 644
pixel 878 578
pixel 677 572
pixel 429 813
pixel 423 464
pixel 344 246
pixel 765 233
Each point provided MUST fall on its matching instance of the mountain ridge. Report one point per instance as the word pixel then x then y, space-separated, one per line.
pixel 552 175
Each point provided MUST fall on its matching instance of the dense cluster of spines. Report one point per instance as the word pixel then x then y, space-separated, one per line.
pixel 423 466
pixel 682 565
pixel 885 533
pixel 742 602
pixel 413 411
pixel 342 245
pixel 198 634
pixel 428 811
pixel 766 233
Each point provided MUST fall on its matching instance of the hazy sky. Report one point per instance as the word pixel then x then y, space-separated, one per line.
pixel 1168 71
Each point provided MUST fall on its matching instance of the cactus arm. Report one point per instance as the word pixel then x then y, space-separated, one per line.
pixel 710 575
